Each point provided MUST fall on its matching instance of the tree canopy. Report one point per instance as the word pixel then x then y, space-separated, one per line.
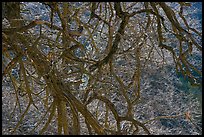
pixel 76 62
